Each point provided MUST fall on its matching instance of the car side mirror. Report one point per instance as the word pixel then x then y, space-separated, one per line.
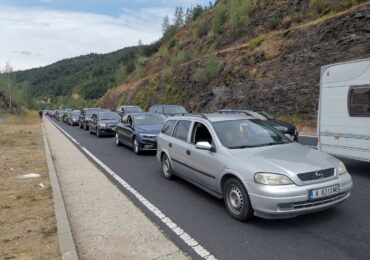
pixel 204 146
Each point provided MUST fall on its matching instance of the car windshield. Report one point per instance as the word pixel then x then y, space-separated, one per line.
pixel 76 113
pixel 174 110
pixel 133 109
pixel 149 119
pixel 265 114
pixel 244 133
pixel 109 116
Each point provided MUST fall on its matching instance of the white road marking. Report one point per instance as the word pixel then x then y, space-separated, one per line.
pixel 191 242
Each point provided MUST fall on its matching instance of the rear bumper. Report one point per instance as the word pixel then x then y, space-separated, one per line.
pixel 291 200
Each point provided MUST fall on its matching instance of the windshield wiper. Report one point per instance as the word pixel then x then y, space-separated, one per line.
pixel 243 146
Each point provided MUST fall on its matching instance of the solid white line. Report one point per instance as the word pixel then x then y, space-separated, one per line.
pixel 191 242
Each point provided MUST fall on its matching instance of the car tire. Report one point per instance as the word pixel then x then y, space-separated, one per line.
pixel 117 141
pixel 80 125
pixel 166 167
pixel 135 146
pixel 97 132
pixel 237 201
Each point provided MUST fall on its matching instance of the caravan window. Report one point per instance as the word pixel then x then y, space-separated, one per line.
pixel 359 101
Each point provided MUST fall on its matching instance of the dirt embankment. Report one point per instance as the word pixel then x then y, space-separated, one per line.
pixel 277 71
pixel 27 222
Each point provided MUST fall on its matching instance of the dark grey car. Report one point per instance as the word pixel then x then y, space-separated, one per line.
pixel 104 123
pixel 85 116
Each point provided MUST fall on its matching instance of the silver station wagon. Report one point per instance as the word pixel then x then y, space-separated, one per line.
pixel 254 168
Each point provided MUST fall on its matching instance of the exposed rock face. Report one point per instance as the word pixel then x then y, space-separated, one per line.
pixel 281 75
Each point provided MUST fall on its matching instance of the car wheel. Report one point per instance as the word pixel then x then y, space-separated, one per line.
pixel 80 125
pixel 97 132
pixel 118 143
pixel 166 167
pixel 237 201
pixel 135 146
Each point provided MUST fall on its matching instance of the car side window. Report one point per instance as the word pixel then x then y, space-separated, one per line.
pixel 168 127
pixel 200 134
pixel 359 101
pixel 182 130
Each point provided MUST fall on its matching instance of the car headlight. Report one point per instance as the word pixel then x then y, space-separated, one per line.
pixel 271 179
pixel 102 125
pixel 149 137
pixel 341 168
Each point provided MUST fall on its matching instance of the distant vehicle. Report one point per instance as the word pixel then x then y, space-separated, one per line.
pixel 85 116
pixel 168 110
pixel 72 117
pixel 122 110
pixel 286 128
pixel 344 110
pixel 252 166
pixel 139 131
pixel 103 123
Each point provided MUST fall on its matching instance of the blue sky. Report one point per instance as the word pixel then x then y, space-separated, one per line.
pixel 39 32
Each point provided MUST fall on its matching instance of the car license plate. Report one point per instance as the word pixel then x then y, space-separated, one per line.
pixel 323 192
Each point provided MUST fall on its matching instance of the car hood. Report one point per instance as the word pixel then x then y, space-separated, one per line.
pixel 149 129
pixel 289 159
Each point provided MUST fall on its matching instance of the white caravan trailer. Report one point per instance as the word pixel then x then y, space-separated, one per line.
pixel 344 110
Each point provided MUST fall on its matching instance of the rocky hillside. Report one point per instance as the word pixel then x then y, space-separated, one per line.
pixel 261 54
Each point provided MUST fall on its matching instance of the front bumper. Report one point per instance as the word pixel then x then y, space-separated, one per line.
pixel 106 131
pixel 147 145
pixel 289 201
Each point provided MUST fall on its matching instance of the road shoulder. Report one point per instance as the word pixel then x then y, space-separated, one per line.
pixel 105 223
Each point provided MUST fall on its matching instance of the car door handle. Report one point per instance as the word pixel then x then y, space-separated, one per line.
pixel 188 152
pixel 170 145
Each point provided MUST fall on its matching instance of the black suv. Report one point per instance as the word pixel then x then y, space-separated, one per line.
pixel 85 116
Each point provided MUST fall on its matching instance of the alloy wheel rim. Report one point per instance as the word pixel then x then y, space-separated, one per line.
pixel 117 141
pixel 235 199
pixel 166 166
pixel 136 146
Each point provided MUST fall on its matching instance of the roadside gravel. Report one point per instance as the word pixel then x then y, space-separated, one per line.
pixel 105 223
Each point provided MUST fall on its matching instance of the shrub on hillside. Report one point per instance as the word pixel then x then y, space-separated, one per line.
pixel 209 72
pixel 272 23
pixel 220 18
pixel 181 57
pixel 212 67
pixel 201 29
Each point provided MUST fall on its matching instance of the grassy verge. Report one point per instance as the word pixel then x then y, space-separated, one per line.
pixel 27 221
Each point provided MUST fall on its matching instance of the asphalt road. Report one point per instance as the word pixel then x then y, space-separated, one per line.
pixel 342 232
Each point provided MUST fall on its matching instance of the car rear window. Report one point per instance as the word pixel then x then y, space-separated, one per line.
pixel 182 130
pixel 359 101
pixel 168 127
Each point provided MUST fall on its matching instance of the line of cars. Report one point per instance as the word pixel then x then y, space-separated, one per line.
pixel 244 157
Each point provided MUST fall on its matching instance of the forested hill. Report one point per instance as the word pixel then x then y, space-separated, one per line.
pixel 89 75
pixel 264 54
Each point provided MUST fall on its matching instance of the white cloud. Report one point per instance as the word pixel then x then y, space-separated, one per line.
pixel 47 36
